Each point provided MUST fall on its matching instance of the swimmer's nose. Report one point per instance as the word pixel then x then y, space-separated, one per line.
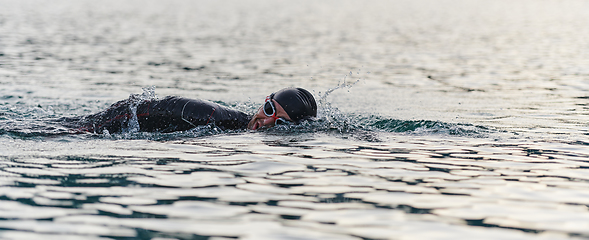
pixel 268 121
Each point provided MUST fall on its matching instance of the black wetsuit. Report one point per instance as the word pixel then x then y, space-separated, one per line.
pixel 166 115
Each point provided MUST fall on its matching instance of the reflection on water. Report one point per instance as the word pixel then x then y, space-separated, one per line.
pixel 258 186
pixel 449 120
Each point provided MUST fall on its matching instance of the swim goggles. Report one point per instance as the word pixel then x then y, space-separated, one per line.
pixel 270 111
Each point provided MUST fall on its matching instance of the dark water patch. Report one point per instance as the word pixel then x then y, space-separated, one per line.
pixel 187 68
pixel 580 142
pixel 339 198
pixel 177 65
pixel 412 210
pixel 481 223
pixel 368 128
pixel 32 129
pixel 5 97
pixel 424 127
pixel 148 234
pixel 290 217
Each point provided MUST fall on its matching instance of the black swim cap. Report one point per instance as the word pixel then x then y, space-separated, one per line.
pixel 298 103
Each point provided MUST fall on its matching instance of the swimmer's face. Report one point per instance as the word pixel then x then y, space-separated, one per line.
pixel 260 120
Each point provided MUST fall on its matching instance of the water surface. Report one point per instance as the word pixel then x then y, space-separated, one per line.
pixel 437 120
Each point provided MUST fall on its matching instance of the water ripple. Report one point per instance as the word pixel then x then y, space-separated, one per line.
pixel 464 120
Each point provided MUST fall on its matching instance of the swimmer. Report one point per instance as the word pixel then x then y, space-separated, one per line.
pixel 289 105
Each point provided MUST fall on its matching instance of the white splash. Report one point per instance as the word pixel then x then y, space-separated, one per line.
pixel 136 99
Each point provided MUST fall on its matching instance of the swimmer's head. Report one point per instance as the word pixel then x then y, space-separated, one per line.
pixel 298 103
pixel 287 105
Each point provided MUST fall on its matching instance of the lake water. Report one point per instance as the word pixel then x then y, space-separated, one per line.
pixel 437 120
